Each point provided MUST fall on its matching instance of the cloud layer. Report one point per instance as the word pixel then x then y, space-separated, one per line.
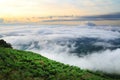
pixel 57 41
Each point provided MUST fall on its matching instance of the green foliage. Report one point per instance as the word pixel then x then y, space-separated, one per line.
pixel 22 65
pixel 5 44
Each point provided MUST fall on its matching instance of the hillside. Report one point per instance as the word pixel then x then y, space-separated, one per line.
pixel 23 65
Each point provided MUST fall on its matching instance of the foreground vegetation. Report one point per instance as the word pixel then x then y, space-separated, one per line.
pixel 23 65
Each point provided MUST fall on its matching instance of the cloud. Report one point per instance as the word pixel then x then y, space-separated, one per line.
pixel 112 16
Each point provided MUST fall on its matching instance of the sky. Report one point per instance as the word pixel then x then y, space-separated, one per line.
pixel 40 8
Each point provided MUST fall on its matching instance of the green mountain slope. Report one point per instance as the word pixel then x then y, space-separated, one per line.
pixel 23 65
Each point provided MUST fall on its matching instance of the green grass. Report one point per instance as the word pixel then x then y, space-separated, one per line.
pixel 23 65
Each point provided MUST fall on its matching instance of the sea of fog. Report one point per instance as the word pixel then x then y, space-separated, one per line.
pixel 95 48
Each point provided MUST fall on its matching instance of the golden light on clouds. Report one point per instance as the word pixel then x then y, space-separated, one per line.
pixel 24 9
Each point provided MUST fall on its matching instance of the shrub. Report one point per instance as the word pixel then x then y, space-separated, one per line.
pixel 5 44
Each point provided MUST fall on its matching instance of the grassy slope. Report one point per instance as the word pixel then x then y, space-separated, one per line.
pixel 22 65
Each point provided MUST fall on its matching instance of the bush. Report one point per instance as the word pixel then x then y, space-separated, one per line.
pixel 5 44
